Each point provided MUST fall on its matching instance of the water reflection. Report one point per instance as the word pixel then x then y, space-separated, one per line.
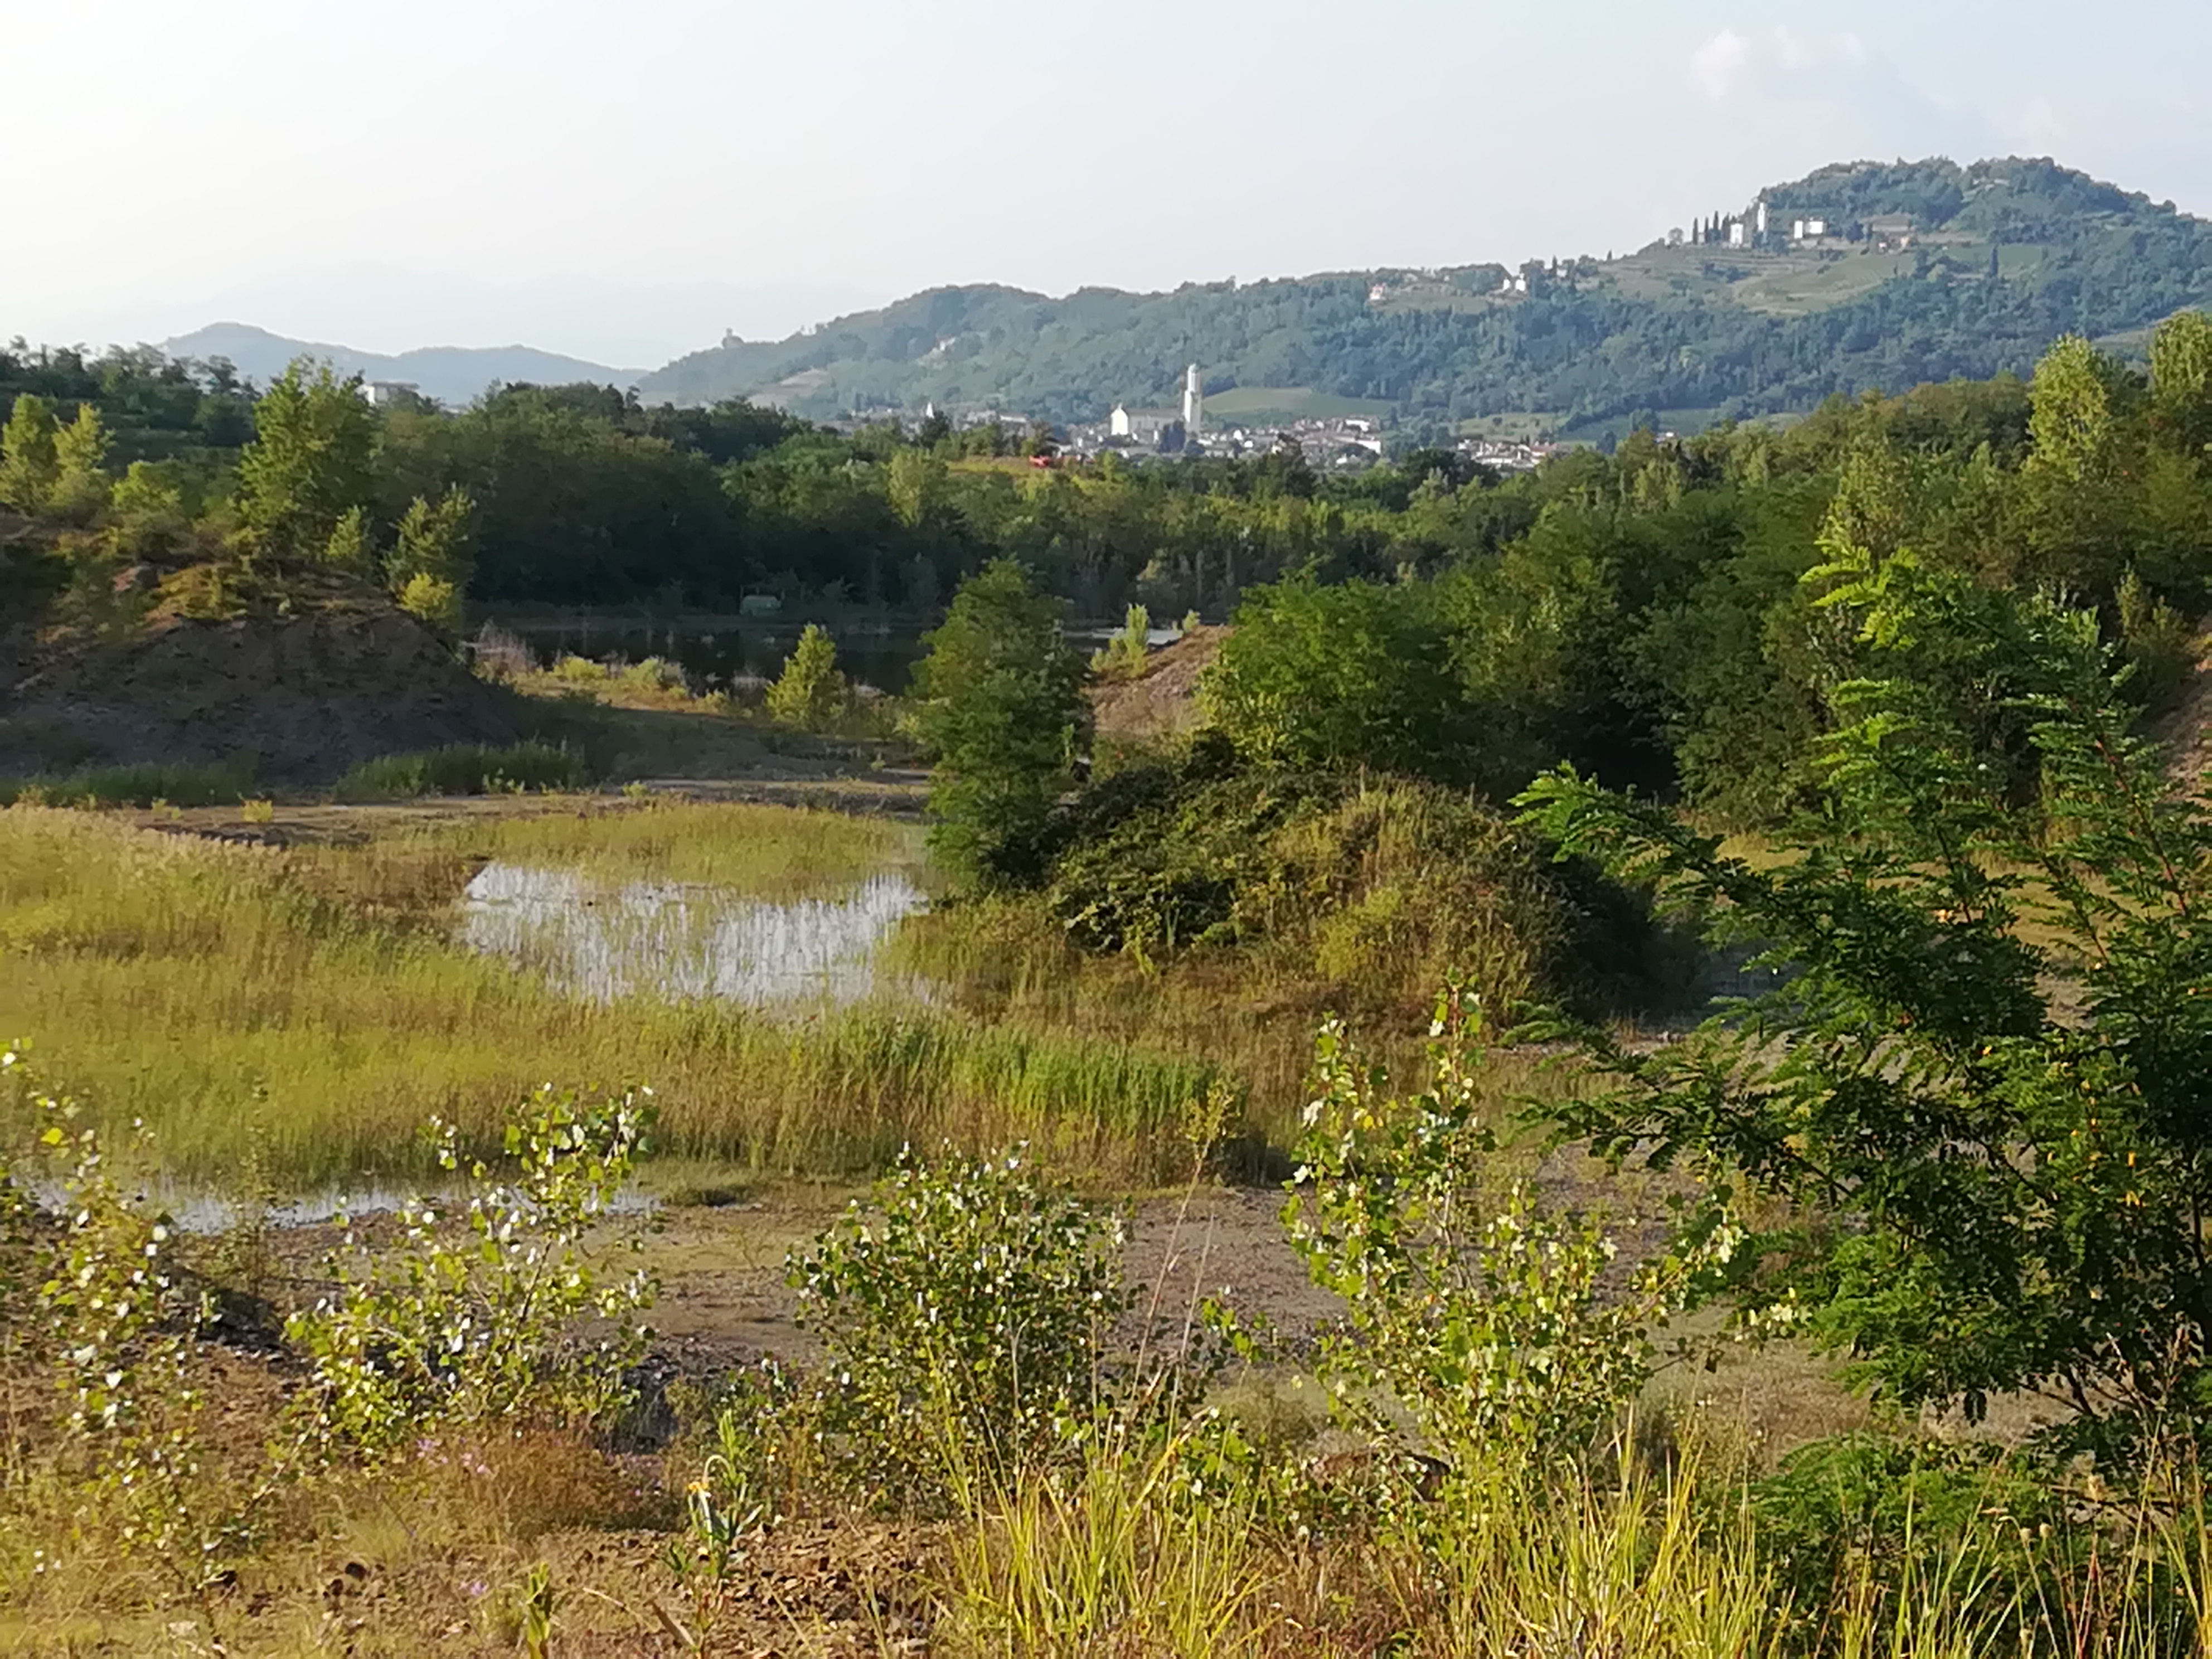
pixel 683 943
pixel 194 1208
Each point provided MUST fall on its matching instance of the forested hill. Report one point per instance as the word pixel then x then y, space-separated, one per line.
pixel 2000 259
pixel 454 374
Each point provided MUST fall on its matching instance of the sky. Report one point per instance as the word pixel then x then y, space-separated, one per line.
pixel 623 182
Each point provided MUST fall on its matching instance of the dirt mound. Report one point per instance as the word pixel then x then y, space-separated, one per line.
pixel 2186 730
pixel 1163 700
pixel 305 695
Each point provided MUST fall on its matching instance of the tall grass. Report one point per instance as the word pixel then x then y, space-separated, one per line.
pixel 770 852
pixel 236 998
pixel 1125 1556
pixel 1252 1012
pixel 465 768
pixel 133 785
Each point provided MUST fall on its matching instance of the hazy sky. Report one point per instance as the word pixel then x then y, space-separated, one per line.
pixel 623 179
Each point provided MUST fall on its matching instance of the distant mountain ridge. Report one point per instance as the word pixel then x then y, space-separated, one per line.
pixel 452 374
pixel 1930 271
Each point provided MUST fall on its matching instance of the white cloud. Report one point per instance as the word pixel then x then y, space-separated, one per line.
pixel 1834 92
pixel 1730 61
pixel 1719 64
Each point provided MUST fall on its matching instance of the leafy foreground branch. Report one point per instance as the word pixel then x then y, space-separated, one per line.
pixel 1975 1104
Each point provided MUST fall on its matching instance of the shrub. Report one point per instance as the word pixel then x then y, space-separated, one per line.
pixel 428 599
pixel 482 1327
pixel 581 670
pixel 655 674
pixel 1381 892
pixel 93 1294
pixel 464 770
pixel 1126 654
pixel 1889 1511
pixel 1987 1186
pixel 964 1312
pixel 810 692
pixel 1474 1312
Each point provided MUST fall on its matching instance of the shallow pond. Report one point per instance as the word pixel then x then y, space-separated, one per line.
pixel 685 943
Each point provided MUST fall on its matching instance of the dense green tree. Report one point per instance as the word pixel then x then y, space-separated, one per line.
pixel 310 461
pixel 1333 679
pixel 28 465
pixel 999 705
pixel 2181 381
pixel 81 489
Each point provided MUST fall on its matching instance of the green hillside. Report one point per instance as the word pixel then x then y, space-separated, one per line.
pixel 2002 257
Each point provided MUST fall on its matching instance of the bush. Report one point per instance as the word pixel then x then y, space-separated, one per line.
pixel 464 770
pixel 134 786
pixel 481 1329
pixel 1126 654
pixel 1473 1310
pixel 1339 679
pixel 92 1293
pixel 1975 1106
pixel 429 600
pixel 810 693
pixel 1891 1510
pixel 1380 892
pixel 964 1311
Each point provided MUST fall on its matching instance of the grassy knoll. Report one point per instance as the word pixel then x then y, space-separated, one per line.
pixel 306 1001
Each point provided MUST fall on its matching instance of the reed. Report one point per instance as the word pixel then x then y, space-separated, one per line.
pixel 1125 1556
pixel 307 1002
pixel 465 768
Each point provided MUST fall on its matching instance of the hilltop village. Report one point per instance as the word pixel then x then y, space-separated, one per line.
pixel 1328 443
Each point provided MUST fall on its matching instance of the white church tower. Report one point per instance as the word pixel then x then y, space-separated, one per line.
pixel 1193 402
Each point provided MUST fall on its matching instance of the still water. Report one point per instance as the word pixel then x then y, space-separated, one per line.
pixel 678 941
pixel 684 943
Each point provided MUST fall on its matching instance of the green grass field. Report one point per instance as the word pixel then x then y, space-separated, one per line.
pixel 1532 425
